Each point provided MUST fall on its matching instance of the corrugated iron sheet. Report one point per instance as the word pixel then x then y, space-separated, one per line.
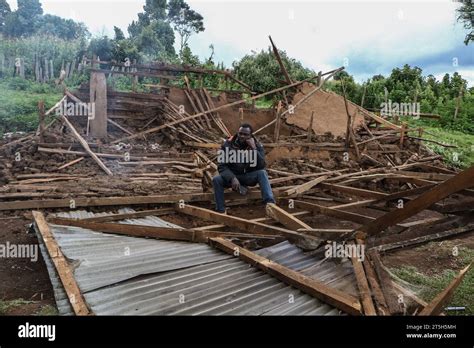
pixel 121 275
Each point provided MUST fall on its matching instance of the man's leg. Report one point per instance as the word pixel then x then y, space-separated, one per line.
pixel 260 177
pixel 218 183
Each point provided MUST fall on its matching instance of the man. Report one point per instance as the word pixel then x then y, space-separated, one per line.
pixel 241 163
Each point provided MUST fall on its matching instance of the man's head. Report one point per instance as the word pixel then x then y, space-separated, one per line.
pixel 245 132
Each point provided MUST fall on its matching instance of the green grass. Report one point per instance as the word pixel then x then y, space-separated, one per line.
pixel 5 306
pixel 461 157
pixel 19 103
pixel 47 310
pixel 432 285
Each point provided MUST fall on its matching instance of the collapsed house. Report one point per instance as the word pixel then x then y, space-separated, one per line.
pixel 122 202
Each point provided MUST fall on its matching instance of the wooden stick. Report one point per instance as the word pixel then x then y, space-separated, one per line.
pixel 77 160
pixel 435 307
pixel 86 146
pixel 65 271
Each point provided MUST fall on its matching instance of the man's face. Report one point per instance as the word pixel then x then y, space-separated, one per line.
pixel 244 134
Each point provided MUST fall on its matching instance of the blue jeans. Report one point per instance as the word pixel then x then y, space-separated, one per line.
pixel 259 177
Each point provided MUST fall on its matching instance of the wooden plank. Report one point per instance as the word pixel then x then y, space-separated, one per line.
pixel 77 160
pixel 262 219
pixel 98 96
pixel 379 298
pixel 167 233
pixel 280 62
pixel 143 213
pixel 86 146
pixel 286 219
pixel 64 270
pixel 423 239
pixel 385 283
pixel 461 181
pixel 297 190
pixel 339 214
pixel 132 200
pixel 353 191
pixel 244 224
pixel 363 285
pixel 435 307
pixel 313 287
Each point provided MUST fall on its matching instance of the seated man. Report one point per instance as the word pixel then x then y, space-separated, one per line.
pixel 241 163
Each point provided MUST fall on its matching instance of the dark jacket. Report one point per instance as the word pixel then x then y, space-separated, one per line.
pixel 229 170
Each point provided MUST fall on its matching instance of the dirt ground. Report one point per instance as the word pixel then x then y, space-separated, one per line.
pixel 23 278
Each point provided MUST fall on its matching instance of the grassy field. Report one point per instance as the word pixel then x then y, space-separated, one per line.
pixel 19 103
pixel 431 284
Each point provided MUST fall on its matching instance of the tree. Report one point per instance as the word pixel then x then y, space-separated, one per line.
pixel 63 28
pixel 262 72
pixel 151 33
pixel 465 15
pixel 101 47
pixel 184 20
pixel 118 34
pixel 4 12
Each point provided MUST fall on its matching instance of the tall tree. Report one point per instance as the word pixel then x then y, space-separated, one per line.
pixel 184 20
pixel 4 12
pixel 465 15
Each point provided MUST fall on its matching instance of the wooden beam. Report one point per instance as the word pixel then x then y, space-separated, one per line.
pixel 280 62
pixel 363 285
pixel 125 216
pixel 461 181
pixel 167 233
pixel 286 219
pixel 98 98
pixel 77 160
pixel 353 191
pixel 244 224
pixel 424 239
pixel 435 307
pixel 64 270
pixel 339 214
pixel 313 287
pixel 385 283
pixel 297 190
pixel 86 146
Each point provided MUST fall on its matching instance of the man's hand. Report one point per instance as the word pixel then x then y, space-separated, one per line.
pixel 251 143
pixel 235 184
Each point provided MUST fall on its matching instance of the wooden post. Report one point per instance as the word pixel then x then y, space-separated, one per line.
pixel 276 134
pixel 241 114
pixel 310 126
pixel 41 119
pixel 402 134
pixel 280 62
pixel 135 79
pixel 98 96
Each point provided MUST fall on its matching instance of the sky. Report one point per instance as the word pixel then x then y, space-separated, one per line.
pixel 367 37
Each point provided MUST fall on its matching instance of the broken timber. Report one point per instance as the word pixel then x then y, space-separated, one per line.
pixel 63 268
